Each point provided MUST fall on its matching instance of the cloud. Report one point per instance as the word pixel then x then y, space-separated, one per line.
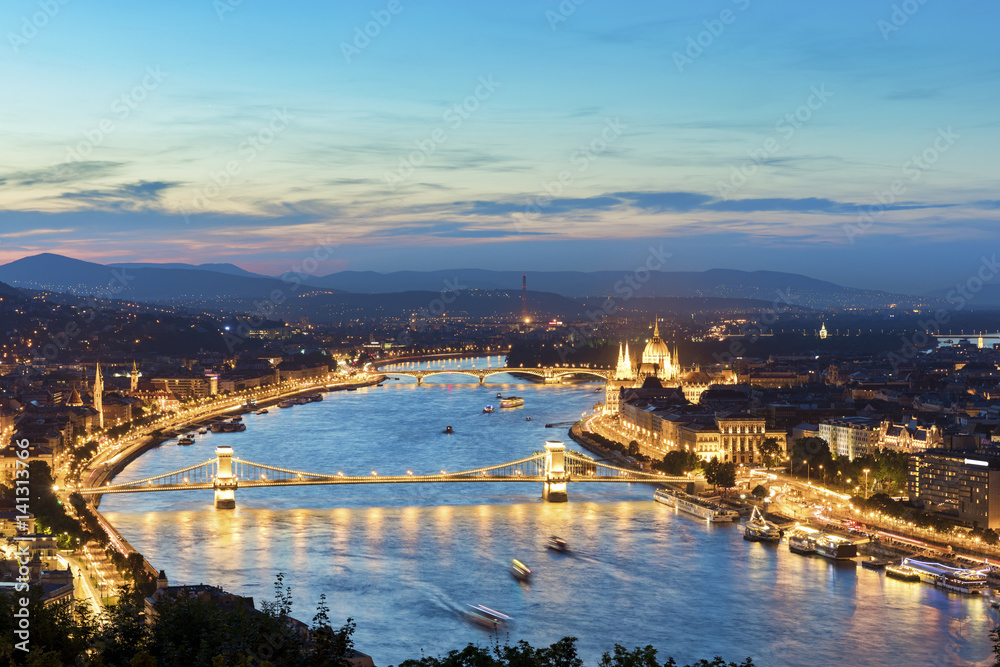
pixel 665 201
pixel 35 232
pixel 66 172
pixel 127 196
pixel 453 230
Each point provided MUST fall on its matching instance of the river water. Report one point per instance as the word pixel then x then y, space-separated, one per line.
pixel 405 560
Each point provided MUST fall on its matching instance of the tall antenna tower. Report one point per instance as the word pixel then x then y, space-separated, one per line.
pixel 524 297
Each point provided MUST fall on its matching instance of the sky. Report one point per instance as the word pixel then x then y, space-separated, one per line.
pixel 853 141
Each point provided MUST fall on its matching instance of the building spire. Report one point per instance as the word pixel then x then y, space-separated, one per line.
pixel 656 327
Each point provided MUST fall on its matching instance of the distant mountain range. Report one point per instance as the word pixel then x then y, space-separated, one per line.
pixel 207 283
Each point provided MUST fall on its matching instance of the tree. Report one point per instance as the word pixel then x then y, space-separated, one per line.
pixel 759 492
pixel 633 448
pixel 770 451
pixel 712 471
pixel 726 475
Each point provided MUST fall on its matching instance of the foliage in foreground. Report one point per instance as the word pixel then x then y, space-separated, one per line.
pixel 187 632
pixel 561 654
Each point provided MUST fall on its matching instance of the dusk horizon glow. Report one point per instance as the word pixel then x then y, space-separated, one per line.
pixel 848 142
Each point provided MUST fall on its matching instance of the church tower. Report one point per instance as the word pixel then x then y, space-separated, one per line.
pixel 99 395
pixel 134 385
pixel 623 376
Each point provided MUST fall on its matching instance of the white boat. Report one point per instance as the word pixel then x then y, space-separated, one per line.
pixel 760 530
pixel 486 617
pixel 520 571
pixel 971 582
pixel 800 541
pixel 698 507
pixel 837 548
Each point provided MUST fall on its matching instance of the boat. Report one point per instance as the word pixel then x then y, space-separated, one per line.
pixel 488 408
pixel 801 543
pixel 511 402
pixel 698 507
pixel 874 563
pixel 185 440
pixel 236 419
pixel 959 580
pixel 557 544
pixel 314 398
pixel 837 548
pixel 527 419
pixel 262 412
pixel 285 404
pixel 520 571
pixel 301 400
pixel 901 572
pixel 218 427
pixel 499 395
pixel 203 431
pixel 760 530
pixel 378 384
pixel 448 429
pixel 486 617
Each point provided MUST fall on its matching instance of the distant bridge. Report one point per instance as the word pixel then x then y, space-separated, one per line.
pixel 553 469
pixel 550 374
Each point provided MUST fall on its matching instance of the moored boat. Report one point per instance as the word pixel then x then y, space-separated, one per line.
pixel 801 543
pixel 203 431
pixel 760 530
pixel 837 548
pixel 901 572
pixel 695 506
pixel 285 404
pixel 185 440
pixel 874 563
pixel 262 412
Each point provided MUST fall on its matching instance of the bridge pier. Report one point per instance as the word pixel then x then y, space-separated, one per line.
pixel 225 483
pixel 420 380
pixel 556 478
pixel 482 379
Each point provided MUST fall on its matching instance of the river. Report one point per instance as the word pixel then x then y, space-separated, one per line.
pixel 404 560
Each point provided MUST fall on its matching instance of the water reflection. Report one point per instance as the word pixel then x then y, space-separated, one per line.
pixel 405 560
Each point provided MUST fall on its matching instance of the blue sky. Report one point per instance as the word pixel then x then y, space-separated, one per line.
pixel 738 133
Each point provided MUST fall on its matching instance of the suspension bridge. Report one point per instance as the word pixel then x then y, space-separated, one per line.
pixel 549 374
pixel 553 469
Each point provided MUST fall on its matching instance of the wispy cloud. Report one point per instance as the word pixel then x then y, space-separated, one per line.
pixel 35 232
pixel 128 196
pixel 68 172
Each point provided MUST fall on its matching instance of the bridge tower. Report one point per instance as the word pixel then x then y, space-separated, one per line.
pixel 556 477
pixel 225 482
